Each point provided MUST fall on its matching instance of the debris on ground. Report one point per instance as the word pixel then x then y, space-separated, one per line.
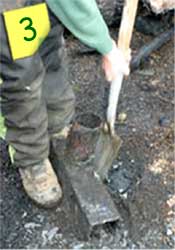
pixel 159 6
pixel 142 177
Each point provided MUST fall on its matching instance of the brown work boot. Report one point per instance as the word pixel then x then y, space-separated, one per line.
pixel 41 184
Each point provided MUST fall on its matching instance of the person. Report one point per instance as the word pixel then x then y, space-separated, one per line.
pixel 36 98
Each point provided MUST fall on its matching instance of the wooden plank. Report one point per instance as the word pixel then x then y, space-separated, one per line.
pixel 87 202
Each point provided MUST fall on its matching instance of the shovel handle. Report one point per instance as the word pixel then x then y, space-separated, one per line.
pixel 127 24
pixel 113 101
pixel 125 35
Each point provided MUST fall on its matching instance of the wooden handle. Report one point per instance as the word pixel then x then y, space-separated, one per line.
pixel 127 24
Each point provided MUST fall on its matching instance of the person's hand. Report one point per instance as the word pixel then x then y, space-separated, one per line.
pixel 115 61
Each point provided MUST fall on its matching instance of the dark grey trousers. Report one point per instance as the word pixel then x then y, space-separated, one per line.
pixel 36 99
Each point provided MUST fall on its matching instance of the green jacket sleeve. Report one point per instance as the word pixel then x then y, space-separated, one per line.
pixel 84 20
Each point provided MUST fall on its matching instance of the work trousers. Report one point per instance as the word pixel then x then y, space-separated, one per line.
pixel 36 99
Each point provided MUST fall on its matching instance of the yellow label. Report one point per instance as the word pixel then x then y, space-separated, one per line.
pixel 27 28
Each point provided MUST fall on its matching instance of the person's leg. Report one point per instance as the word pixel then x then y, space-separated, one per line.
pixel 26 120
pixel 58 93
pixel 25 114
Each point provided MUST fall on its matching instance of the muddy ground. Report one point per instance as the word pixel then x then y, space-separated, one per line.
pixel 143 174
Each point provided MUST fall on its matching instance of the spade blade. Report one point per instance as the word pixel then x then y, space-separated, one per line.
pixel 106 151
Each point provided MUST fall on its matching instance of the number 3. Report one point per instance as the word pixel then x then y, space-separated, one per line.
pixel 29 27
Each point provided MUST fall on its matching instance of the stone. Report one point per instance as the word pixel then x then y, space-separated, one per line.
pixel 159 6
pixel 164 121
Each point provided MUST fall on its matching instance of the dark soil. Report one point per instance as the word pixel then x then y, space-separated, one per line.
pixel 142 176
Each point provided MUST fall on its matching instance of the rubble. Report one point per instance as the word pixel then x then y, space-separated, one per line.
pixel 159 6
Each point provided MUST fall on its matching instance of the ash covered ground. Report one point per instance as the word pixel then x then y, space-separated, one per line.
pixel 143 174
